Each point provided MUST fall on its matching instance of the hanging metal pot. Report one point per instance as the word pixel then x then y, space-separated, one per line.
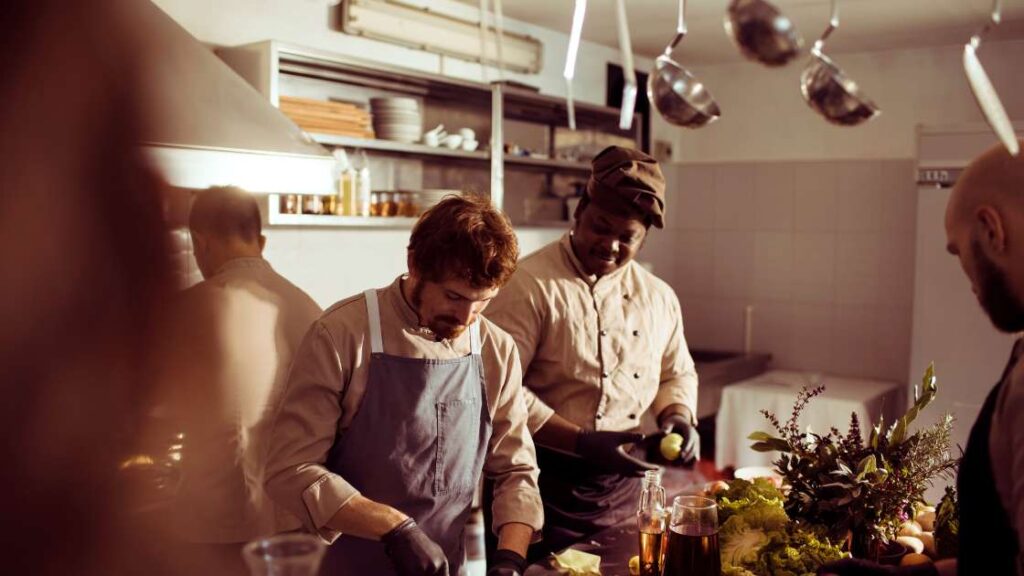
pixel 679 97
pixel 762 32
pixel 828 90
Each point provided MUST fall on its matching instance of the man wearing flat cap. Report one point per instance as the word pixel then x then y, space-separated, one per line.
pixel 601 343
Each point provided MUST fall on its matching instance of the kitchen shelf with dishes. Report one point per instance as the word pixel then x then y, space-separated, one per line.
pixel 392 146
pixel 424 132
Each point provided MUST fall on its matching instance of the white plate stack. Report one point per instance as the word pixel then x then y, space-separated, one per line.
pixel 432 196
pixel 397 118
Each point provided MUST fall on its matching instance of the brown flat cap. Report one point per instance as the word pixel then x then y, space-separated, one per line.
pixel 627 179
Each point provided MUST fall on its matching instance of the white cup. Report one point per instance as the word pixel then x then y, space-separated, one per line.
pixel 432 139
pixel 470 145
pixel 467 134
pixel 452 141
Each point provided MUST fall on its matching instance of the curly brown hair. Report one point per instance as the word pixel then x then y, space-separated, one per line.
pixel 464 236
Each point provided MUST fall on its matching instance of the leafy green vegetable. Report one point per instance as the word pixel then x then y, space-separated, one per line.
pixel 743 494
pixel 757 538
pixel 795 552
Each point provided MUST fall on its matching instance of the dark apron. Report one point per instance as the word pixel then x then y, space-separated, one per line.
pixel 417 444
pixel 988 541
pixel 580 500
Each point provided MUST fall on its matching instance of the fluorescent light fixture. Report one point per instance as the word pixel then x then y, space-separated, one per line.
pixel 427 29
pixel 578 15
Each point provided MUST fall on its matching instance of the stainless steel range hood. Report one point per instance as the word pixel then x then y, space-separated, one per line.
pixel 212 128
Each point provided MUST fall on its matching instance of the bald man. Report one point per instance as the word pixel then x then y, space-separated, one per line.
pixel 249 323
pixel 985 229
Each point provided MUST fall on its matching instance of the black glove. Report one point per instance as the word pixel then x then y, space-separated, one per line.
pixel 856 567
pixel 506 563
pixel 605 449
pixel 681 425
pixel 413 552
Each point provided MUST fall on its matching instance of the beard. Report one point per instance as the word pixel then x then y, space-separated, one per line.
pixel 443 327
pixel 995 295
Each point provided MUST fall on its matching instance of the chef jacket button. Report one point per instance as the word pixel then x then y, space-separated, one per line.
pixel 604 374
pixel 604 332
pixel 599 416
pixel 636 332
pixel 636 374
pixel 632 416
pixel 626 296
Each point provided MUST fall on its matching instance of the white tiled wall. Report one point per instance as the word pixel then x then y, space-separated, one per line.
pixel 824 251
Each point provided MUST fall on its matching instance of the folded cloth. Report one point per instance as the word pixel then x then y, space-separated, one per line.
pixel 576 563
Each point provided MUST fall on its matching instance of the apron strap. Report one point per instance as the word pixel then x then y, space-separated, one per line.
pixel 373 310
pixel 474 338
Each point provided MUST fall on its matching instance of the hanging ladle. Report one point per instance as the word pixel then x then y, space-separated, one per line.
pixel 762 32
pixel 830 92
pixel 981 86
pixel 678 95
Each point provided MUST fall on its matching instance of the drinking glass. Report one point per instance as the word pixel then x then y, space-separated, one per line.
pixel 693 538
pixel 284 555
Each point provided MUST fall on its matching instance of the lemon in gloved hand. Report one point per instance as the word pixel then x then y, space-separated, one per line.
pixel 635 566
pixel 671 446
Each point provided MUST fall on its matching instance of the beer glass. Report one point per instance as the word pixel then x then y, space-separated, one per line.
pixel 284 555
pixel 693 538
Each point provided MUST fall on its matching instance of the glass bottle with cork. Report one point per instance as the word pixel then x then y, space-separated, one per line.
pixel 346 180
pixel 362 188
pixel 651 517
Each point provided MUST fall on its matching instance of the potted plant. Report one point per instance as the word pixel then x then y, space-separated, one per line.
pixel 862 491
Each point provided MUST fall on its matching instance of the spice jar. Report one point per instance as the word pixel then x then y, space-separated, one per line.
pixel 375 205
pixel 404 201
pixel 330 205
pixel 311 204
pixel 389 203
pixel 289 204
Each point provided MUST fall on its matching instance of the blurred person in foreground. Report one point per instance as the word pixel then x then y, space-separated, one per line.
pixel 399 398
pixel 985 230
pixel 601 341
pixel 250 320
pixel 85 268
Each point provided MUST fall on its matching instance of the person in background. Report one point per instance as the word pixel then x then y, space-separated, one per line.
pixel 249 323
pixel 601 342
pixel 985 230
pixel 399 398
pixel 86 272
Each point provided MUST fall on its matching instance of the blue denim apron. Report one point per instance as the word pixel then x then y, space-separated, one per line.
pixel 417 444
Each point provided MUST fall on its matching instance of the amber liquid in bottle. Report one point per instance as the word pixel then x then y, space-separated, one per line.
pixel 651 516
pixel 652 552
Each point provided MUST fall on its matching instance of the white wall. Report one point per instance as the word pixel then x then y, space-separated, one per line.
pixel 824 251
pixel 764 116
pixel 334 264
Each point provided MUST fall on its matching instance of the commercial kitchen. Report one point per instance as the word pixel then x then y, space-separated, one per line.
pixel 738 299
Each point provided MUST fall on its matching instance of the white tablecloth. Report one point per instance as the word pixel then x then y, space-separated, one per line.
pixel 776 390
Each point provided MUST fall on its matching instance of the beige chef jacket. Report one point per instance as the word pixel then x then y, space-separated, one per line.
pixel 598 351
pixel 1006 449
pixel 327 384
pixel 249 321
